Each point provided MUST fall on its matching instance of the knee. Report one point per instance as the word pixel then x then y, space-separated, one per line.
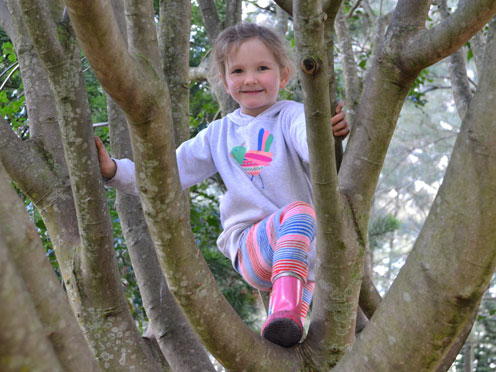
pixel 301 213
pixel 299 207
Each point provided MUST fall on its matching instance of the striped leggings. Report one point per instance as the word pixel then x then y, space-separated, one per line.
pixel 279 244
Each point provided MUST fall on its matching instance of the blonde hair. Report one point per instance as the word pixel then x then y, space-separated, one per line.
pixel 231 38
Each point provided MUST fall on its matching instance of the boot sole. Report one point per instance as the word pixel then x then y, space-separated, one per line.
pixel 283 331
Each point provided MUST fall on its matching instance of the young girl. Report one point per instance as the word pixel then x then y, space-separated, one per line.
pixel 261 153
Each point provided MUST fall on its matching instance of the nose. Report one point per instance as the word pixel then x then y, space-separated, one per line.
pixel 250 78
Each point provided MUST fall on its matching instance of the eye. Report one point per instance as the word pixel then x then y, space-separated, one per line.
pixel 263 68
pixel 237 71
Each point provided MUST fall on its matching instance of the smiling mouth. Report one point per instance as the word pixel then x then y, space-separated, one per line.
pixel 253 91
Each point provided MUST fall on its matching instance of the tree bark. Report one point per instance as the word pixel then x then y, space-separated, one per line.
pixel 165 210
pixel 332 325
pixel 24 342
pixel 174 335
pixel 458 72
pixel 444 271
pixel 23 246
pixel 175 25
pixel 350 72
pixel 101 302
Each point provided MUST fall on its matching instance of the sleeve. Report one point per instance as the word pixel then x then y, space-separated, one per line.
pixel 194 159
pixel 125 177
pixel 194 162
pixel 298 135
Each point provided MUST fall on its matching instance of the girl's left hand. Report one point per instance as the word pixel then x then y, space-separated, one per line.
pixel 339 124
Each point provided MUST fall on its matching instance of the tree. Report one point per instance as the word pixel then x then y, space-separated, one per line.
pixel 436 293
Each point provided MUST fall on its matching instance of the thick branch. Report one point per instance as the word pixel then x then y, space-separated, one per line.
pixel 95 26
pixel 336 296
pixel 38 18
pixel 370 298
pixel 102 300
pixel 286 5
pixel 211 19
pixel 478 47
pixel 171 329
pixel 430 46
pixel 55 315
pixel 458 72
pixel 350 72
pixel 142 32
pixel 5 19
pixel 331 7
pixel 453 258
pixel 233 13
pixel 411 14
pixel 25 345
pixel 174 35
pixel 43 126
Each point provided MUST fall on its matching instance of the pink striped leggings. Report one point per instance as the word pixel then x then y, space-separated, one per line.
pixel 279 244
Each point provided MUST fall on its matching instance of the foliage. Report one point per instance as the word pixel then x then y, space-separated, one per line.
pixel 96 94
pixel 12 100
pixel 380 228
pixel 205 222
pixel 416 94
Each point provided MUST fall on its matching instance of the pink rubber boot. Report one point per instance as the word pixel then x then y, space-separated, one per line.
pixel 283 326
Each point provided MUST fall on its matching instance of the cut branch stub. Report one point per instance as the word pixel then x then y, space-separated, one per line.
pixel 310 65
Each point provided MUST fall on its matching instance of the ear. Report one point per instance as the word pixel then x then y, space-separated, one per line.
pixel 284 77
pixel 224 83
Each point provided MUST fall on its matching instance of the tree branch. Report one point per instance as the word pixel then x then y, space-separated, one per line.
pixel 174 335
pixel 210 18
pixel 37 16
pixel 331 7
pixel 142 32
pixel 336 293
pixel 233 13
pixel 198 73
pixel 174 35
pixel 350 72
pixel 448 269
pixel 95 25
pixel 430 46
pixel 30 172
pixel 5 19
pixel 286 5
pixel 100 296
pixel 55 315
pixel 458 72
pixel 29 349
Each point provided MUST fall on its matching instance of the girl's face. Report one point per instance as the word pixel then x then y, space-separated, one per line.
pixel 253 77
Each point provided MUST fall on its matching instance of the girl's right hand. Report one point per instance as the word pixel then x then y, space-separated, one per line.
pixel 108 168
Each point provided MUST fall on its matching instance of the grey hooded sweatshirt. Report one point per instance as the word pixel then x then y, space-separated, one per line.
pixel 262 160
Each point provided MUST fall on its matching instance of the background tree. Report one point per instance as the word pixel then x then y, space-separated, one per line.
pixel 447 269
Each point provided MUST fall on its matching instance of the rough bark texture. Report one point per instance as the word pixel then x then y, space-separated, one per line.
pixel 24 342
pixel 350 72
pixel 171 329
pixel 165 210
pixel 458 72
pixel 56 316
pixel 214 27
pixel 175 25
pixel 334 312
pixel 100 303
